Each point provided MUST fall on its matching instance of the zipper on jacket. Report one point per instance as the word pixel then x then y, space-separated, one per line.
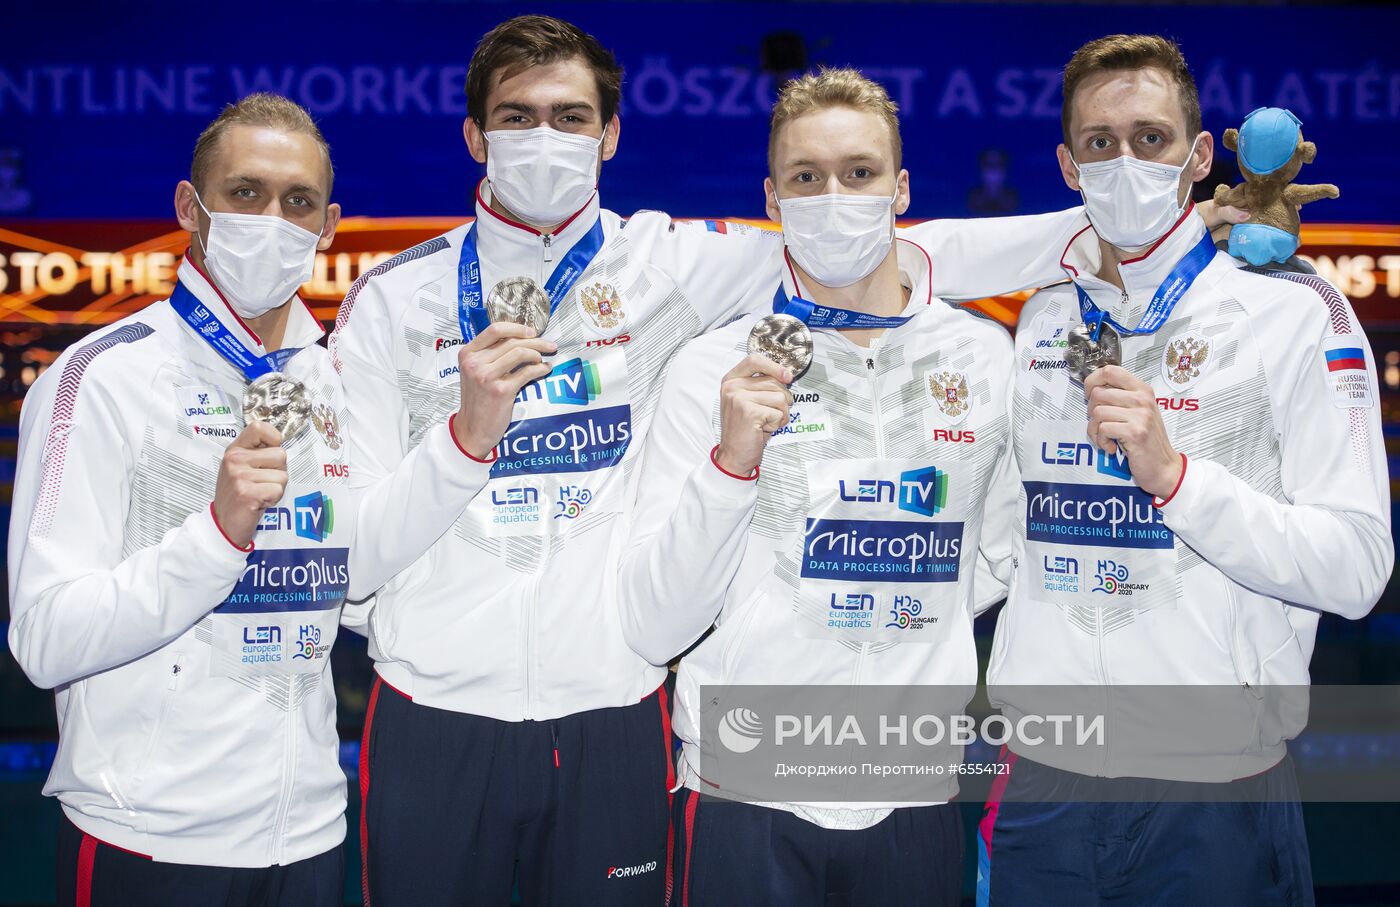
pixel 527 646
pixel 284 803
pixel 175 671
pixel 1236 663
pixel 548 240
pixel 875 406
pixel 1103 673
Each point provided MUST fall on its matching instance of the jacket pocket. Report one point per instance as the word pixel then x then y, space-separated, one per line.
pixel 174 683
pixel 733 646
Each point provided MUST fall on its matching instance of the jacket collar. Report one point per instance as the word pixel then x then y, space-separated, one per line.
pixel 516 248
pixel 915 274
pixel 303 328
pixel 1141 275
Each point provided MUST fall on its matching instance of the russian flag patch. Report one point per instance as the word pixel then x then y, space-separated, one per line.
pixel 1345 356
pixel 1350 357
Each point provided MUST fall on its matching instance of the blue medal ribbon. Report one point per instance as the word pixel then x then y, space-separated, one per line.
pixel 471 308
pixel 228 346
pixel 820 316
pixel 1163 301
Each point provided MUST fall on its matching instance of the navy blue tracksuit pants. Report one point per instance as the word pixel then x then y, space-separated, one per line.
pixel 1052 837
pixel 93 873
pixel 453 803
pixel 729 854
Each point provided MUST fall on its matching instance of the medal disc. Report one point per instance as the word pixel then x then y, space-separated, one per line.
pixel 1086 355
pixel 519 300
pixel 784 339
pixel 279 401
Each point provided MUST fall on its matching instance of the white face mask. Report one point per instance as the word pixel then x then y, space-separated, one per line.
pixel 838 239
pixel 1132 203
pixel 257 260
pixel 542 175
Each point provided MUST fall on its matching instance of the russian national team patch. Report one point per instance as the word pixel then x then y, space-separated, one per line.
pixel 1345 357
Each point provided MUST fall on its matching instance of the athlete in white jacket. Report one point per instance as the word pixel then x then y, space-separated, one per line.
pixel 1180 585
pixel 898 436
pixel 189 641
pixel 501 654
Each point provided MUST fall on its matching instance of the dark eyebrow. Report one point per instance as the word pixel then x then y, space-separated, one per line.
pixel 529 109
pixel 250 180
pixel 1138 124
pixel 302 189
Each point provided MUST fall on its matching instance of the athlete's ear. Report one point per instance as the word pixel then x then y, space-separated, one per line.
pixel 476 140
pixel 186 208
pixel 1068 171
pixel 901 193
pixel 770 201
pixel 611 132
pixel 328 232
pixel 1205 157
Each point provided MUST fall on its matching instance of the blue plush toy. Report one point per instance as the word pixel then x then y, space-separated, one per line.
pixel 1271 152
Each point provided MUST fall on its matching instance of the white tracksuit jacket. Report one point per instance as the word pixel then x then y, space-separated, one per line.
pixel 188 734
pixel 924 408
pixel 1268 386
pixel 513 614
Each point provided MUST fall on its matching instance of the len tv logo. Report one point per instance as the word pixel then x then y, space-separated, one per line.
pixel 922 491
pixel 573 383
pixel 315 516
pixel 1080 453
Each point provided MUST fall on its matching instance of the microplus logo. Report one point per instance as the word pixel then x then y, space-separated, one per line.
pixel 574 383
pixel 1072 514
pixel 922 491
pixel 880 551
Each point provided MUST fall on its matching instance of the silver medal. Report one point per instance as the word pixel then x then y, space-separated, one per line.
pixel 519 300
pixel 282 402
pixel 1086 355
pixel 784 339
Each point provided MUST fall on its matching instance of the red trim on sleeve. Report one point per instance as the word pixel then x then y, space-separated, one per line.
pixel 451 430
pixel 715 450
pixel 215 517
pixel 1181 478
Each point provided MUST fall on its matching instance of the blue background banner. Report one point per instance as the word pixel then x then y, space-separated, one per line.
pixel 103 102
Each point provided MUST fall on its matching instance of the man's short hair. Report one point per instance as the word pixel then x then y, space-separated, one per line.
pixel 258 109
pixel 517 44
pixel 842 87
pixel 1127 52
